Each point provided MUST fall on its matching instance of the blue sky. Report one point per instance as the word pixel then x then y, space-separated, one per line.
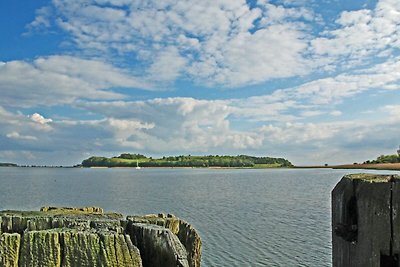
pixel 312 81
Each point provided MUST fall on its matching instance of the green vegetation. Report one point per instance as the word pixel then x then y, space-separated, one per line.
pixel 8 165
pixel 241 161
pixel 266 166
pixel 131 156
pixel 385 159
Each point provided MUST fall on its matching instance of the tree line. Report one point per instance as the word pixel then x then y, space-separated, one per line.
pixel 131 160
pixel 384 159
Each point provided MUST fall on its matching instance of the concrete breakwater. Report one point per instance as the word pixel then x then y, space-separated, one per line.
pixel 89 237
pixel 366 221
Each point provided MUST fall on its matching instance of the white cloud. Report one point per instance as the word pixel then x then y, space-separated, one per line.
pixel 280 13
pixel 211 42
pixel 192 124
pixel 36 117
pixel 19 127
pixel 393 111
pixel 334 89
pixel 60 79
pixel 319 96
pixel 336 113
pixel 167 66
pixel 311 113
pixel 184 124
pixel 226 43
pixel 187 125
pixel 265 108
pixel 16 135
pixel 41 21
pixel 219 43
pixel 238 61
pixel 360 35
pixel 302 132
pixel 334 142
pixel 124 129
pixel 114 2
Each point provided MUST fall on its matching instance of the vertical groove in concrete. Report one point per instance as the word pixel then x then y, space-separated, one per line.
pixel 364 232
pixel 85 237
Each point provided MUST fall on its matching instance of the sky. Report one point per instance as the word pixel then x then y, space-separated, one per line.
pixel 313 81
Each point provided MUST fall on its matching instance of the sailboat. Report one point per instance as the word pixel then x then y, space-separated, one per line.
pixel 137 165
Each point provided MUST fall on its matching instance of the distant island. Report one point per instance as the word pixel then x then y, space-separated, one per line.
pixel 383 162
pixel 135 160
pixel 8 165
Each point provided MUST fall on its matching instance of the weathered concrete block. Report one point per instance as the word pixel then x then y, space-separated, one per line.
pixel 364 208
pixel 187 235
pixel 158 246
pixel 66 210
pixel 89 237
pixel 80 248
pixel 40 248
pixel 9 249
pixel 6 224
pixel 117 250
pixel 39 223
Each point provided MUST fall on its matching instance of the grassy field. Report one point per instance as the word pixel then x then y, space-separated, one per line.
pixel 377 166
pixel 374 166
pixel 267 166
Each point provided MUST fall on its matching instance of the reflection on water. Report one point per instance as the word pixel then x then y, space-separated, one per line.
pixel 245 217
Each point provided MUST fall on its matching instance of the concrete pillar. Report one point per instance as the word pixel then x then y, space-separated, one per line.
pixel 365 221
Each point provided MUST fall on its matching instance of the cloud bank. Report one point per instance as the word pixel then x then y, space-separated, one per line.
pixel 326 87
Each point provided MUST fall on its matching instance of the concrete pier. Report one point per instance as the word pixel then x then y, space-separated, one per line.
pixel 88 237
pixel 365 221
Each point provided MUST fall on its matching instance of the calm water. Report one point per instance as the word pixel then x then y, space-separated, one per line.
pixel 245 217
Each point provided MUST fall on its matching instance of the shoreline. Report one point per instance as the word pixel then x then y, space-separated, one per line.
pixel 361 166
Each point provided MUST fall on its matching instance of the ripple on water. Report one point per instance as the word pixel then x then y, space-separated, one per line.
pixel 244 217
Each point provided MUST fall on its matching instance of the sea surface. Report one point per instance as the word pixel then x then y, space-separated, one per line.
pixel 245 217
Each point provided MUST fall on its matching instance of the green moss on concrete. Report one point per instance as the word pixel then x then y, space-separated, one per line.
pixel 372 178
pixel 92 212
pixel 80 249
pixel 69 210
pixel 40 248
pixel 9 249
pixel 187 235
pixel 118 250
pixel 134 253
pixel 88 237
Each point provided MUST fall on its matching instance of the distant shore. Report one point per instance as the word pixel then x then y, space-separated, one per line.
pixel 183 167
pixel 376 166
